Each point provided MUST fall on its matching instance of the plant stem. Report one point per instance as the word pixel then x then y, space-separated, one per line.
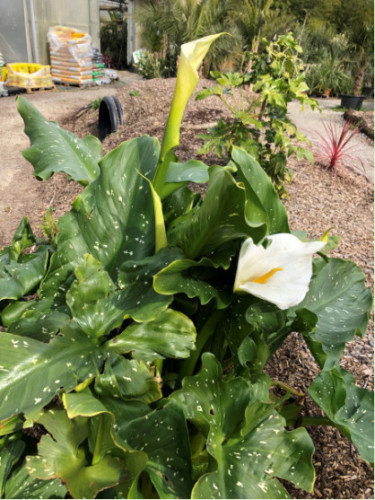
pixel 231 108
pixel 96 457
pixel 313 421
pixel 235 98
pixel 286 387
pixel 188 366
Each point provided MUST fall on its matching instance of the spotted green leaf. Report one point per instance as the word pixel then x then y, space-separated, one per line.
pixel 21 272
pixel 112 220
pixel 22 485
pixel 163 435
pixel 194 279
pixel 170 335
pixel 218 220
pixel 37 319
pixel 127 379
pixel 245 436
pixel 349 407
pixel 338 297
pixel 93 300
pixel 32 372
pixel 54 149
pixel 62 454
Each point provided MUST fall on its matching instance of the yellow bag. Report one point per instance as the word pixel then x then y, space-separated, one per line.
pixel 28 75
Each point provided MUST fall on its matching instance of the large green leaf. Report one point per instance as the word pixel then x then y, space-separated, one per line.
pixel 264 209
pixel 136 278
pixel 120 413
pixel 33 372
pixel 342 303
pixel 350 408
pixel 163 435
pixel 17 278
pixel 86 403
pixel 20 273
pixel 54 149
pixel 22 485
pixel 127 379
pixel 10 453
pixel 194 279
pixel 62 455
pixel 112 220
pixel 93 300
pixel 38 319
pixel 219 219
pixel 170 335
pixel 246 438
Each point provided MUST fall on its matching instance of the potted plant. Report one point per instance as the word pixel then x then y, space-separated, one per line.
pixel 357 22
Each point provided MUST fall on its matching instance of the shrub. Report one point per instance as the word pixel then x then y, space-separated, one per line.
pixel 260 125
pixel 149 65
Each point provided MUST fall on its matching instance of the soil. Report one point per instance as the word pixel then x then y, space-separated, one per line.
pixel 317 201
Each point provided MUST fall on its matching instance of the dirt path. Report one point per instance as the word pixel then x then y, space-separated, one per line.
pixel 21 194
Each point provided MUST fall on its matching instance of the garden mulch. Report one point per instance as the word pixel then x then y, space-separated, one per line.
pixel 317 201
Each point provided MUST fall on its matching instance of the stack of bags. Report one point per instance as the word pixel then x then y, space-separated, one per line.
pixel 71 55
pixel 98 74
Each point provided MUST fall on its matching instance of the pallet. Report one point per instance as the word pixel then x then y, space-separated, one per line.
pixel 75 84
pixel 33 90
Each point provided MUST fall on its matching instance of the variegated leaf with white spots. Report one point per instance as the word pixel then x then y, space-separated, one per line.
pixel 112 220
pixel 349 407
pixel 339 298
pixel 54 149
pixel 33 372
pixel 246 438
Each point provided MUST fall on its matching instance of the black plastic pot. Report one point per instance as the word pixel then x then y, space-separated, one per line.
pixel 352 101
pixel 110 116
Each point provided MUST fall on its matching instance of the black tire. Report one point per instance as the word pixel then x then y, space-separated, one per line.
pixel 107 118
pixel 119 110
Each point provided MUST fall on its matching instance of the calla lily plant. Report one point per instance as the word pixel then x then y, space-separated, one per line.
pixel 128 366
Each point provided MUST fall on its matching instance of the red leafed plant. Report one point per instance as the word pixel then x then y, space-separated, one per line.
pixel 334 151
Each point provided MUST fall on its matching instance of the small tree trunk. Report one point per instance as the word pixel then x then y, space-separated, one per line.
pixel 254 50
pixel 359 77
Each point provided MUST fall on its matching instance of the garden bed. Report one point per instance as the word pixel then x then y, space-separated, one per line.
pixel 317 202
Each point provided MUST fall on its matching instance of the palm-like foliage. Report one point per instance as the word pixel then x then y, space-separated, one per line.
pixel 250 18
pixel 167 24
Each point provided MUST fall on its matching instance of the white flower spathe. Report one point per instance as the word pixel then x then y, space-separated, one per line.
pixel 279 274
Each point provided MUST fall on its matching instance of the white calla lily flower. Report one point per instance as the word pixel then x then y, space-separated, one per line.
pixel 280 273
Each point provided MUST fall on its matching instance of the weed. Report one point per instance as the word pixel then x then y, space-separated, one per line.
pixel 49 226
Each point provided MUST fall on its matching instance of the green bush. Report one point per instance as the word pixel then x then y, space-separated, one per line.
pixel 260 125
pixel 149 65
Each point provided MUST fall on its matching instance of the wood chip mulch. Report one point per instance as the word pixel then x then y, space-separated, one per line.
pixel 317 202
